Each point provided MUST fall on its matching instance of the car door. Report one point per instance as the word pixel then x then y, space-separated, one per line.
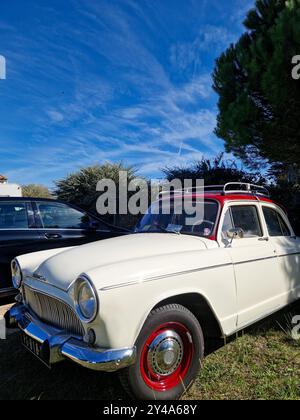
pixel 61 225
pixel 18 235
pixel 255 262
pixel 287 247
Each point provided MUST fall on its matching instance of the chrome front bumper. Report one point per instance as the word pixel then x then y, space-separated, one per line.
pixel 57 345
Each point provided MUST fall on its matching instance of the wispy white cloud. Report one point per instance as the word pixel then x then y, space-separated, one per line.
pixel 97 86
pixel 55 116
pixel 184 55
pixel 198 88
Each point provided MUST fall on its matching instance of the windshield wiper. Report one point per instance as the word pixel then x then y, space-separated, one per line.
pixel 163 229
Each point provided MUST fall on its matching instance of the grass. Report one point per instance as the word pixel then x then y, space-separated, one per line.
pixel 262 363
pixel 255 366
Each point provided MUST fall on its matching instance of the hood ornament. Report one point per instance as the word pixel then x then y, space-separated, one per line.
pixel 39 277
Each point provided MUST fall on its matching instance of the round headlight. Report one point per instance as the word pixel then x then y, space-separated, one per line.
pixel 86 300
pixel 16 274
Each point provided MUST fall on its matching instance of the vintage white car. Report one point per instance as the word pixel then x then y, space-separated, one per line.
pixel 146 303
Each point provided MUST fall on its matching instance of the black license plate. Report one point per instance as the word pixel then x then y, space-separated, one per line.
pixel 36 348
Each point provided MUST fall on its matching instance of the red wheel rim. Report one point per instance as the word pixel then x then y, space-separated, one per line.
pixel 164 370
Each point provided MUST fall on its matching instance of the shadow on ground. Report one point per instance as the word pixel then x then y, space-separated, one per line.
pixel 22 376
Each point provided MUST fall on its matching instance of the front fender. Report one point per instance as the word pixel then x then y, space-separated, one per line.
pixel 124 309
pixel 172 297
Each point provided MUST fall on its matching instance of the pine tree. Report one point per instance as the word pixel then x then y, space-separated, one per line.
pixel 259 101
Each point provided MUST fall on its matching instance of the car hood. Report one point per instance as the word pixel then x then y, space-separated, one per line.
pixel 133 251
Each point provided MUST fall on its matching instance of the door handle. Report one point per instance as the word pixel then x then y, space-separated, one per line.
pixel 52 236
pixel 264 239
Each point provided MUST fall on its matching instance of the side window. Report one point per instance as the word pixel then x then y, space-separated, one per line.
pixel 275 223
pixel 61 216
pixel 13 216
pixel 246 218
pixel 227 224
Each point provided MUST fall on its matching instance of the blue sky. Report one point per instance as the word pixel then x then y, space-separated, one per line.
pixel 90 81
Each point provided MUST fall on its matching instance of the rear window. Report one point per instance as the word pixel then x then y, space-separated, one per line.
pixel 275 223
pixel 13 216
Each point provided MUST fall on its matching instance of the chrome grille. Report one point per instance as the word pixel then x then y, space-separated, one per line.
pixel 53 311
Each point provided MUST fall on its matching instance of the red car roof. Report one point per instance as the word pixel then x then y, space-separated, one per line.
pixel 221 198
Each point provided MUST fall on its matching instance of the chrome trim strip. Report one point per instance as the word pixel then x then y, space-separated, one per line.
pixel 179 273
pixel 195 270
pixel 255 260
pixel 288 255
pixel 36 278
pixel 120 285
pixel 47 294
pixel 61 345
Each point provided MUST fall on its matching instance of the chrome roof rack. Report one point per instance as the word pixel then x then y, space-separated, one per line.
pixel 206 188
pixel 236 188
pixel 243 187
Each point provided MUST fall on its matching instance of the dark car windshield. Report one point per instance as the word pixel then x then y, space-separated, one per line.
pixel 201 225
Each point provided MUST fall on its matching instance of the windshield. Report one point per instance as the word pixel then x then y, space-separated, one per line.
pixel 203 225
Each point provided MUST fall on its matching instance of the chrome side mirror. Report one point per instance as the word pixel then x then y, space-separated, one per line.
pixel 236 233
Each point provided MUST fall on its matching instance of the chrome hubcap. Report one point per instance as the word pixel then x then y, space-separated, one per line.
pixel 165 353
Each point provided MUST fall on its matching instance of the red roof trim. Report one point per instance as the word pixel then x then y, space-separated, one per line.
pixel 223 198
